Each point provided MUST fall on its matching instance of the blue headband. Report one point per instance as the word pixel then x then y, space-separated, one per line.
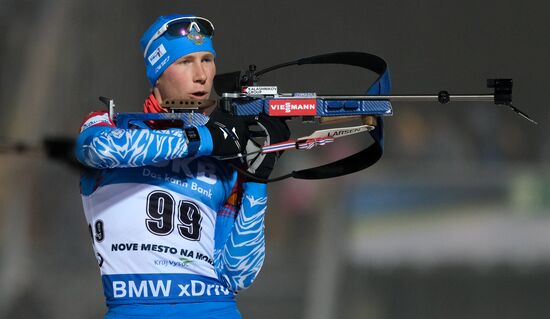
pixel 165 49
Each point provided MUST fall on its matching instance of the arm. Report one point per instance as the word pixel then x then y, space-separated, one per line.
pixel 240 245
pixel 102 145
pixel 239 240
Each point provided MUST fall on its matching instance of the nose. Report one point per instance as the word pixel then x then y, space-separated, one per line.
pixel 199 75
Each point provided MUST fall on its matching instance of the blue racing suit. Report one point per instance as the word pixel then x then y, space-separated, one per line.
pixel 175 235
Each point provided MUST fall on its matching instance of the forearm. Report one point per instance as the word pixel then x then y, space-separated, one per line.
pixel 108 147
pixel 241 258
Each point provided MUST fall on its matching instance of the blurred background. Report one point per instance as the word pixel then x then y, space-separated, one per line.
pixel 453 222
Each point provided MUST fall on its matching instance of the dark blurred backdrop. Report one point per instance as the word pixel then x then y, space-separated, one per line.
pixel 453 222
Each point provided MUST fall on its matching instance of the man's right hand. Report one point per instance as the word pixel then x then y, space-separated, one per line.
pixel 276 131
pixel 229 133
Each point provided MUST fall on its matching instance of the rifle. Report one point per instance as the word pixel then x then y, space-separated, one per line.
pixel 242 96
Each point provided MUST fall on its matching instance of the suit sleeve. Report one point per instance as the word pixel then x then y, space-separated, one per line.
pixel 101 144
pixel 240 244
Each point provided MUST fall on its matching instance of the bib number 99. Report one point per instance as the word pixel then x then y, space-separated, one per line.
pixel 162 212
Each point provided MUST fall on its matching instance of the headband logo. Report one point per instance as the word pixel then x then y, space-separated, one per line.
pixel 195 37
pixel 157 54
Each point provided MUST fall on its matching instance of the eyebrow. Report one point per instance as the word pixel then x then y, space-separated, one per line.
pixel 207 55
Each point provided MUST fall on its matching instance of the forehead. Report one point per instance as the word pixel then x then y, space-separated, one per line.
pixel 196 55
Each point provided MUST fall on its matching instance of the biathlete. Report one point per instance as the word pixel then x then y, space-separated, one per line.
pixel 177 233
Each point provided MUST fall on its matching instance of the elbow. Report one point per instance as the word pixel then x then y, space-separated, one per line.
pixel 239 276
pixel 236 285
pixel 89 155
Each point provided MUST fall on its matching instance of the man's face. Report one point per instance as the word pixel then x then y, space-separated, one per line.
pixel 190 77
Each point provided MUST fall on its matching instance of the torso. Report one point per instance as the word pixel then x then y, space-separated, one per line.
pixel 153 229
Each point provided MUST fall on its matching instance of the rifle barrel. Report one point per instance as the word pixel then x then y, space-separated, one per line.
pixel 413 98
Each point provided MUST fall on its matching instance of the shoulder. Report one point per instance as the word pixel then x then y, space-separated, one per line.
pixel 98 118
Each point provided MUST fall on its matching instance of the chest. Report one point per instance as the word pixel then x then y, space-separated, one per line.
pixel 205 180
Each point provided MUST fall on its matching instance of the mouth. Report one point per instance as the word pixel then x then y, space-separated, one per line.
pixel 199 95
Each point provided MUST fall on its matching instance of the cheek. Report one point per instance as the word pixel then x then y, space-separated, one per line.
pixel 210 74
pixel 174 79
pixel 213 70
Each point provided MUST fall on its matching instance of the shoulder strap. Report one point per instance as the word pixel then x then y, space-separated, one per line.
pixel 382 86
